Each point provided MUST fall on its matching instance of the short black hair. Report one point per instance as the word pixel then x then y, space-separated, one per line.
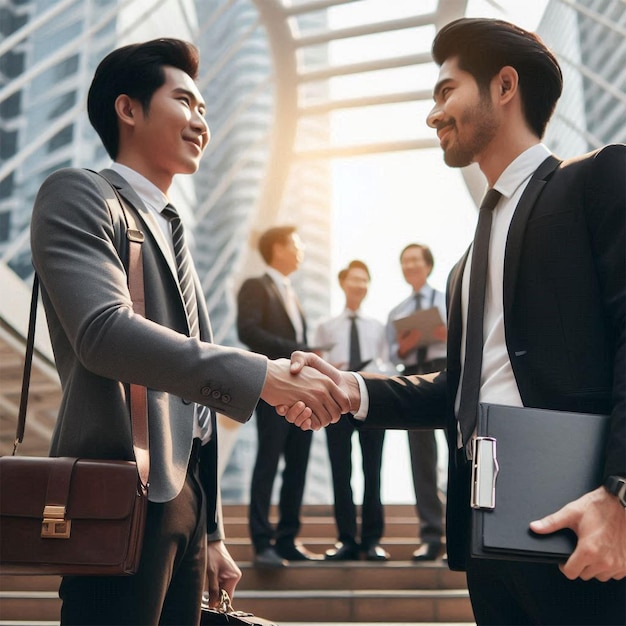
pixel 483 46
pixel 353 264
pixel 137 71
pixel 278 234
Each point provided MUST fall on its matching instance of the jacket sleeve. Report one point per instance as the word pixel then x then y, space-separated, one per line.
pixel 76 238
pixel 406 402
pixel 605 208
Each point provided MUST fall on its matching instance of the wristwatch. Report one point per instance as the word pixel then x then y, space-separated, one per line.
pixel 616 485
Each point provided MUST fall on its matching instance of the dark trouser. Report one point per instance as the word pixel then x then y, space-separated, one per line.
pixel 506 592
pixel 167 589
pixel 277 437
pixel 339 439
pixel 423 449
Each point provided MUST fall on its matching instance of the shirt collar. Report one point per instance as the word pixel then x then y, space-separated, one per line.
pixel 280 279
pixel 148 192
pixel 520 169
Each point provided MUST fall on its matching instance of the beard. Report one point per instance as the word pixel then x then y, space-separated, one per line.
pixel 480 119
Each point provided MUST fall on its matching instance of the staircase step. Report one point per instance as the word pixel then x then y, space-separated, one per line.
pixel 355 576
pixel 359 605
pixel 323 526
pixel 316 606
pixel 399 548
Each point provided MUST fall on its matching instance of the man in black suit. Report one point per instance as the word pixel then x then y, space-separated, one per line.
pixel 149 113
pixel 270 321
pixel 553 321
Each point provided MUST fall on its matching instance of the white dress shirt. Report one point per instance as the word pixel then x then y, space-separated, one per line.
pixel 334 333
pixel 498 384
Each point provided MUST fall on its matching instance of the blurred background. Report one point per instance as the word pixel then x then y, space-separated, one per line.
pixel 317 110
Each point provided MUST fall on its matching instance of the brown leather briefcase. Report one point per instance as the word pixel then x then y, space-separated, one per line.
pixel 68 516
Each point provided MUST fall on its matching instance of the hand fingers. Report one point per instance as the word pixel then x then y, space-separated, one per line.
pixel 229 582
pixel 213 588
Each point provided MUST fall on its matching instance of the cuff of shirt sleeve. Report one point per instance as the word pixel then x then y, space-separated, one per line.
pixel 361 414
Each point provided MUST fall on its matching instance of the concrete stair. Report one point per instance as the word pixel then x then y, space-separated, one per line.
pixel 397 591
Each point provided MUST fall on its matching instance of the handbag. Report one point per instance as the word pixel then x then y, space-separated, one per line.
pixel 225 614
pixel 74 516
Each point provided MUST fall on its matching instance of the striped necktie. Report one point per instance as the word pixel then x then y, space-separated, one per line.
pixel 183 267
pixel 472 367
pixel 187 288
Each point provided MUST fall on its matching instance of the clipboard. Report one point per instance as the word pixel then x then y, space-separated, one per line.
pixel 528 463
pixel 424 320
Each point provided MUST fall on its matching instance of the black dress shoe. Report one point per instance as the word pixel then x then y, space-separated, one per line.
pixel 295 552
pixel 376 553
pixel 269 558
pixel 343 552
pixel 427 551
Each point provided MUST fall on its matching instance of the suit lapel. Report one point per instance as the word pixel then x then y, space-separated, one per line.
pixel 146 217
pixel 455 315
pixel 128 193
pixel 518 226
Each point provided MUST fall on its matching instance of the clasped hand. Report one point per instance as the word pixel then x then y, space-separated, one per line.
pixel 307 391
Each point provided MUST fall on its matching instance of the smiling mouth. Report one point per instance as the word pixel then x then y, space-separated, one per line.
pixel 444 131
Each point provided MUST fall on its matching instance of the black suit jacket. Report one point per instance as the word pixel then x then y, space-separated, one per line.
pixel 564 317
pixel 263 323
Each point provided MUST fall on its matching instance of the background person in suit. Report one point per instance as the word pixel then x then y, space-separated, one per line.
pixel 554 318
pixel 270 321
pixel 417 263
pixel 353 350
pixel 149 113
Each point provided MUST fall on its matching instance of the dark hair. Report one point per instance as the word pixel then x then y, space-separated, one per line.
pixel 484 46
pixel 136 71
pixel 352 265
pixel 278 234
pixel 426 252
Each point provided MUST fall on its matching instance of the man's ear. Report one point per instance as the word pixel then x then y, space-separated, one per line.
pixel 507 83
pixel 124 108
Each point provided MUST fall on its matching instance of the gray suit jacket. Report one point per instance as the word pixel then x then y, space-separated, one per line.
pixel 79 248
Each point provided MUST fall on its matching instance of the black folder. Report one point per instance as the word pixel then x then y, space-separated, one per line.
pixel 527 464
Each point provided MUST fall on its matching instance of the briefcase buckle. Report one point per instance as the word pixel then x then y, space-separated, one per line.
pixel 484 472
pixel 54 524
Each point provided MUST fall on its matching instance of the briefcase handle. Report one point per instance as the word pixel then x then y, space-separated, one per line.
pixel 138 393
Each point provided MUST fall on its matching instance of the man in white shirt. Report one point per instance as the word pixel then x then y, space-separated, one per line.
pixel 417 264
pixel 353 341
pixel 553 327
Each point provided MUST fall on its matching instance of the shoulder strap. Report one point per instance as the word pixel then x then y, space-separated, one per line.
pixel 138 393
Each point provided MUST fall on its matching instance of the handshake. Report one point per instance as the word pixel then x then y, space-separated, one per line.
pixel 309 392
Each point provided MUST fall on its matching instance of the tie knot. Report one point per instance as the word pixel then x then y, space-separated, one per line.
pixel 490 200
pixel 170 212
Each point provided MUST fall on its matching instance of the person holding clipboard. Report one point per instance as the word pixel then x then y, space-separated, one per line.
pixel 536 320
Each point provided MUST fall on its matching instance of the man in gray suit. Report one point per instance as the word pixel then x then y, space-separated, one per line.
pixel 149 113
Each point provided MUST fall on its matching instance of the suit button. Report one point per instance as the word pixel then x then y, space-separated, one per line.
pixel 225 398
pixel 216 394
pixel 205 391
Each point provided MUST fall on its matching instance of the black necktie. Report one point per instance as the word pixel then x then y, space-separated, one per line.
pixel 187 288
pixel 472 367
pixel 422 350
pixel 355 360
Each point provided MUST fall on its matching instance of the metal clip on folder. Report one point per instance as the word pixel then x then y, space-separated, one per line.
pixel 484 472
